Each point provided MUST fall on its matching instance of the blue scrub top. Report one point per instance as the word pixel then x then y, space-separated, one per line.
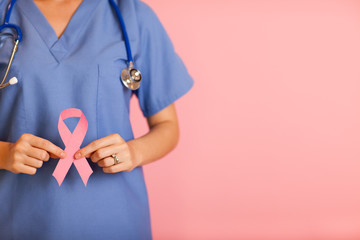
pixel 82 70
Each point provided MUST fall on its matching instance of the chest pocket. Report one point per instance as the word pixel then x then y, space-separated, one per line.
pixel 113 97
pixel 12 111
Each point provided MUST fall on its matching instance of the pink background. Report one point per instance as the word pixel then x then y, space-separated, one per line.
pixel 270 132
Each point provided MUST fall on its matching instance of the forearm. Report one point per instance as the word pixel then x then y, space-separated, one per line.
pixel 159 141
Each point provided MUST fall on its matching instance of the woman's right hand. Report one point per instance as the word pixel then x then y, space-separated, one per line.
pixel 28 153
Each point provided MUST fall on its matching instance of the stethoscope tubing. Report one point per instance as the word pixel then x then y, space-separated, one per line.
pixel 8 13
pixel 123 28
pixel 114 6
pixel 6 23
pixel 17 29
pixel 130 76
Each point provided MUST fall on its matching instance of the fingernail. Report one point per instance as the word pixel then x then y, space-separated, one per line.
pixel 77 155
pixel 62 154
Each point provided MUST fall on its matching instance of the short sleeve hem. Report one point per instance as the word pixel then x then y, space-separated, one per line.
pixel 171 99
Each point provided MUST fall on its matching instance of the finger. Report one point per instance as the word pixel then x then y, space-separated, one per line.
pixel 125 166
pixel 97 144
pixel 53 155
pixel 33 162
pixel 27 169
pixel 38 153
pixel 105 152
pixel 48 146
pixel 107 162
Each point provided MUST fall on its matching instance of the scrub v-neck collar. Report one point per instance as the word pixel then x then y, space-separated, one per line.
pixel 59 47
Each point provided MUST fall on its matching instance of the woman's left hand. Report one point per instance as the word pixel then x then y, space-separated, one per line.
pixel 100 152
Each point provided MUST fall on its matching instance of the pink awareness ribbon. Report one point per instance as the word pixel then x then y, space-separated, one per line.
pixel 72 143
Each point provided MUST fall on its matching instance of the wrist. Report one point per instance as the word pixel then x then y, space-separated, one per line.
pixel 136 155
pixel 4 152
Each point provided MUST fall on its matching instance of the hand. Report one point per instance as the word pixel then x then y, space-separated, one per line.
pixel 100 152
pixel 28 153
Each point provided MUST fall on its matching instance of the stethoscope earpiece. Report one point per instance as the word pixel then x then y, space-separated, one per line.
pixel 131 77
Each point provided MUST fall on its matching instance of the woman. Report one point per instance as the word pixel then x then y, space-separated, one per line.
pixel 71 56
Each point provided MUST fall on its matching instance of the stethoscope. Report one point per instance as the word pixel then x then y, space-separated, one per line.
pixel 130 76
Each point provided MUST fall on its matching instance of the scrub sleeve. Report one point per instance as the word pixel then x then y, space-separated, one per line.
pixel 82 70
pixel 166 77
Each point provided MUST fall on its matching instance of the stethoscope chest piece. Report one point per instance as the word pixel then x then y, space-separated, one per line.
pixel 131 77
